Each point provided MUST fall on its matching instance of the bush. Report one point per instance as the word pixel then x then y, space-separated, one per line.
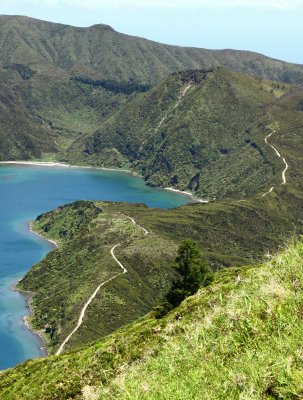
pixel 193 272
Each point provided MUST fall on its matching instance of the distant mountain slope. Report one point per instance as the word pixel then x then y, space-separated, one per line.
pixel 199 130
pixel 22 135
pixel 75 94
pixel 99 50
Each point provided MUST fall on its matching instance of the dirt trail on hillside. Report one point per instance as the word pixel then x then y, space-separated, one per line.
pixel 83 310
pixel 278 155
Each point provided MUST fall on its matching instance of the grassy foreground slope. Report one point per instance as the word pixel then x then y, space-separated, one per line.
pixel 241 337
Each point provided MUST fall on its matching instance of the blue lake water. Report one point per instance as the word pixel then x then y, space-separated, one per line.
pixel 26 192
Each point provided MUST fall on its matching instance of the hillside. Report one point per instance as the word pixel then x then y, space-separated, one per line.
pixel 101 52
pixel 63 82
pixel 229 233
pixel 202 131
pixel 241 337
pixel 225 125
pixel 62 282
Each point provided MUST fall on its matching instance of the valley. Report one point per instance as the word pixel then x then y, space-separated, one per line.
pixel 223 126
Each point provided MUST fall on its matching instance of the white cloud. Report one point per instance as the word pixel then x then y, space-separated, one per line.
pixel 222 4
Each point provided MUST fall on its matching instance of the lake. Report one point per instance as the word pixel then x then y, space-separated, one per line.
pixel 26 192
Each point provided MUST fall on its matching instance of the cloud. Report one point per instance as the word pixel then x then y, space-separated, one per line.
pixel 169 4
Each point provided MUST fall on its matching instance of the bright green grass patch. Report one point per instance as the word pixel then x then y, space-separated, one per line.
pixel 240 339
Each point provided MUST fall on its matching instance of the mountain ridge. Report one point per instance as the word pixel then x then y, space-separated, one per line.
pixel 179 57
pixel 195 130
pixel 40 60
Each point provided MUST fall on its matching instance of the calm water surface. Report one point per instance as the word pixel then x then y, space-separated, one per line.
pixel 27 191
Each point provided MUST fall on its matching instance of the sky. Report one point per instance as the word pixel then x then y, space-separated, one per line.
pixel 270 27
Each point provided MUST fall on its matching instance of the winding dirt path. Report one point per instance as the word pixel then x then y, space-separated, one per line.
pixel 83 310
pixel 279 155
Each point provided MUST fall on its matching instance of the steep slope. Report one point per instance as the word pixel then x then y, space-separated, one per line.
pixel 69 80
pixel 197 130
pixel 51 112
pixel 22 136
pixel 92 237
pixel 241 337
pixel 229 233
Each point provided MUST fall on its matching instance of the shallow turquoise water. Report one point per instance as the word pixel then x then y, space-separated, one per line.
pixel 27 191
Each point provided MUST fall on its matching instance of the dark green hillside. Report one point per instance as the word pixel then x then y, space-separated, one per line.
pixel 241 337
pixel 66 278
pixel 22 136
pixel 199 130
pixel 99 51
pixel 55 72
pixel 229 233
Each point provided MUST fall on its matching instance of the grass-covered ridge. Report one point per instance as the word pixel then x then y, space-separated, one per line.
pixel 198 130
pixel 66 278
pixel 229 233
pixel 43 110
pixel 241 337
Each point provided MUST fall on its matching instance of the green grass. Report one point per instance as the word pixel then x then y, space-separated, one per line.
pixel 229 234
pixel 239 338
pixel 66 278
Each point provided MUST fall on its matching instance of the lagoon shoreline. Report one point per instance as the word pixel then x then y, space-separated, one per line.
pixel 28 297
pixel 26 321
pixel 28 194
pixel 30 229
pixel 63 165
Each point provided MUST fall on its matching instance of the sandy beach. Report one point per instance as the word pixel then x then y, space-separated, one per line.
pixel 38 163
pixel 63 165
pixel 187 194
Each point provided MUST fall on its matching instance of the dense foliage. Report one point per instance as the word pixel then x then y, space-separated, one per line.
pixel 62 282
pixel 43 111
pixel 127 87
pixel 193 273
pixel 201 131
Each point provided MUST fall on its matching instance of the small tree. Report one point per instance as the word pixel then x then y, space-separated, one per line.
pixel 193 272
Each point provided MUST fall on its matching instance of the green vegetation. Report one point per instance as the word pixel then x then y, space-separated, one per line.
pixel 66 278
pixel 240 337
pixel 193 273
pixel 94 96
pixel 199 130
pixel 43 110
pixel 230 233
pixel 127 87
